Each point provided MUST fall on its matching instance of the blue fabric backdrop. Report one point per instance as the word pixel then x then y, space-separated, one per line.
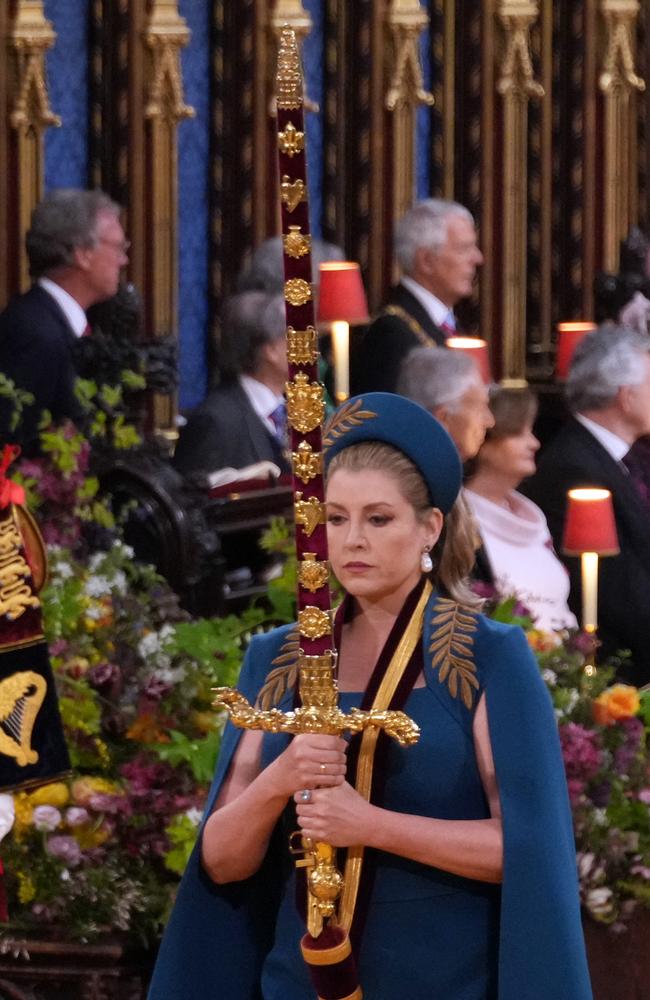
pixel 313 69
pixel 193 209
pixel 66 148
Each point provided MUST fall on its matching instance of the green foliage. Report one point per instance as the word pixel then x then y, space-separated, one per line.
pixel 19 399
pixel 200 754
pixel 181 833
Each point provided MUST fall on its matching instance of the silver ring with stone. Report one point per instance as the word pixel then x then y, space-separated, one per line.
pixel 305 795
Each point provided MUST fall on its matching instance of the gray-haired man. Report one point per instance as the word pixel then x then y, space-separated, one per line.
pixel 608 391
pixel 76 250
pixel 436 248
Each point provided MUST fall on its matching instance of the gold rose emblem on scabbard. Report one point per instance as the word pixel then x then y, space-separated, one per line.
pixel 297 291
pixel 314 623
pixel 312 573
pixel 307 463
pixel 305 403
pixel 302 346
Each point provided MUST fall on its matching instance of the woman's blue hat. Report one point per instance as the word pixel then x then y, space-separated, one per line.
pixel 395 420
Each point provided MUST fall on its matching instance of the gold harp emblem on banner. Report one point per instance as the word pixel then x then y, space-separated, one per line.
pixel 292 192
pixel 21 696
pixel 291 141
pixel 314 623
pixel 297 291
pixel 296 244
pixel 307 463
pixel 309 513
pixel 302 346
pixel 305 403
pixel 312 573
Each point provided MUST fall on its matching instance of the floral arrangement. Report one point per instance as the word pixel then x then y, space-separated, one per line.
pixel 605 737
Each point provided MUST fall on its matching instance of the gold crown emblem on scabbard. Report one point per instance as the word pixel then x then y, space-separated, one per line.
pixel 305 403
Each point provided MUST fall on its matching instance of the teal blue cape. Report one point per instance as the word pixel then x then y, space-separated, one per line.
pixel 217 936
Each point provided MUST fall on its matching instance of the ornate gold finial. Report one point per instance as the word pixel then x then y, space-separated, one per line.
pixel 30 36
pixel 312 573
pixel 291 141
pixel 165 34
pixel 406 19
pixel 517 75
pixel 305 403
pixel 307 463
pixel 289 78
pixel 302 345
pixel 297 291
pixel 293 192
pixel 618 64
pixel 314 623
pixel 308 513
pixel 296 243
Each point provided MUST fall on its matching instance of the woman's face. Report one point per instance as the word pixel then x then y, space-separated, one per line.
pixel 512 457
pixel 375 538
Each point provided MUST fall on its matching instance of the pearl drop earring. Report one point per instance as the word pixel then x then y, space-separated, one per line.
pixel 426 563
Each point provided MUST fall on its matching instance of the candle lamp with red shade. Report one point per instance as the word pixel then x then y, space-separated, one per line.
pixel 569 336
pixel 590 532
pixel 477 350
pixel 341 302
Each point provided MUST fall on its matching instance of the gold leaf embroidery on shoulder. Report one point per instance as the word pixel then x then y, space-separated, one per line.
pixel 344 419
pixel 451 647
pixel 285 674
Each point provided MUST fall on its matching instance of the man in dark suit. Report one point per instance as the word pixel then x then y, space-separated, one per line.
pixel 243 420
pixel 437 250
pixel 608 392
pixel 76 250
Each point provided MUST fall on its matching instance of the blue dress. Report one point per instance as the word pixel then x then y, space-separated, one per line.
pixel 428 934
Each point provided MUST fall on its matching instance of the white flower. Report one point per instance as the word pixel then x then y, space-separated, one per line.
pixel 97 586
pixel 149 644
pixel 46 818
pixel 550 677
pixel 194 815
pixel 95 613
pixel 124 550
pixel 169 675
pixel 166 632
pixel 119 581
pixel 65 875
pixel 7 814
pixel 64 570
pixel 95 561
pixel 600 817
pixel 599 901
pixel 585 863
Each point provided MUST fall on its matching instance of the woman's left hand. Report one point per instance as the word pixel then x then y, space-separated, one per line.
pixel 337 816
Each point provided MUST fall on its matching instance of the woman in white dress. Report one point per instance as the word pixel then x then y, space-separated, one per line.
pixel 515 535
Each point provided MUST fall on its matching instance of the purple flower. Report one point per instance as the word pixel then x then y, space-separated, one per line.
pixel 65 849
pixel 487 591
pixel 76 816
pixel 103 673
pixel 581 751
pixel 601 794
pixel 101 802
pixel 58 647
pixel 644 796
pixel 156 688
pixel 581 642
pixel 632 730
pixel 46 818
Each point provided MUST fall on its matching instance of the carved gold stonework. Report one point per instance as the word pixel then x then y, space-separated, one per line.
pixel 302 345
pixel 316 680
pixel 619 83
pixel 308 513
pixel 292 192
pixel 289 24
pixel 291 141
pixel 297 291
pixel 313 622
pixel 165 34
pixel 516 85
pixel 30 36
pixel 312 573
pixel 405 21
pixel 307 463
pixel 305 403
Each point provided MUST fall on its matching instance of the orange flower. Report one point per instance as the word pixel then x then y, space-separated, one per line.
pixel 146 729
pixel 542 642
pixel 618 702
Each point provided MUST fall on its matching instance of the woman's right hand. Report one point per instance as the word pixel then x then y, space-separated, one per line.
pixel 310 761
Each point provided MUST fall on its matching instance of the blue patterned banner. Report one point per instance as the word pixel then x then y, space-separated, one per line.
pixel 313 68
pixel 66 148
pixel 193 209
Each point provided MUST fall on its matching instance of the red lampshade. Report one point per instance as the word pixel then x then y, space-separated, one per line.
pixel 341 295
pixel 477 350
pixel 589 525
pixel 569 336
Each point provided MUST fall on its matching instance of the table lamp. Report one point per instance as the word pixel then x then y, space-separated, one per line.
pixel 341 301
pixel 569 336
pixel 477 350
pixel 590 532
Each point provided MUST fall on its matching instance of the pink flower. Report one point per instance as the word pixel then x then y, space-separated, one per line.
pixel 644 796
pixel 76 816
pixel 46 818
pixel 581 750
pixel 576 790
pixel 65 849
